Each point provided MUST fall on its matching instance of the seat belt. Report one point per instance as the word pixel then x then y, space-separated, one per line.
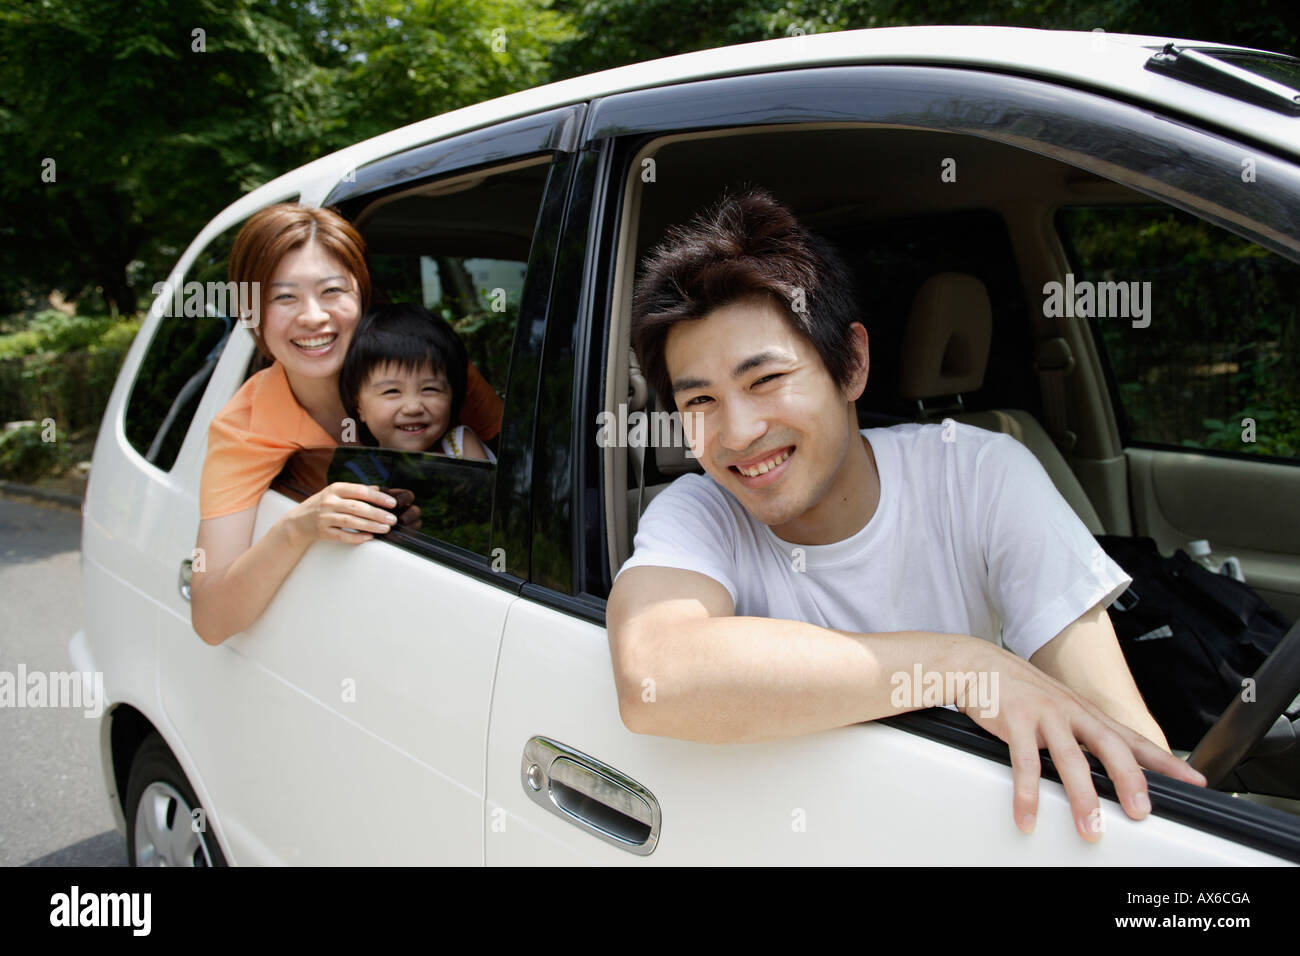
pixel 1054 363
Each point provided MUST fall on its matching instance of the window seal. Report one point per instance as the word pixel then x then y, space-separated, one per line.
pixel 553 131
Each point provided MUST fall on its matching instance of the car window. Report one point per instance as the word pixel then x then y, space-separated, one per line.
pixel 198 316
pixel 458 246
pixel 451 497
pixel 479 296
pixel 460 249
pixel 1214 363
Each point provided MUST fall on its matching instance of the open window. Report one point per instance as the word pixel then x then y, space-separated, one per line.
pixel 914 172
pixel 458 246
pixel 886 199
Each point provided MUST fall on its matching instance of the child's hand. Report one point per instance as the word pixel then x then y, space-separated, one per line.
pixel 344 511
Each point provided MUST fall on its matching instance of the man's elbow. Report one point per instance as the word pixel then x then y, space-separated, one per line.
pixel 207 634
pixel 636 688
pixel 632 712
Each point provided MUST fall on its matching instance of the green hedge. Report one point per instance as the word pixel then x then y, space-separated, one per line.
pixel 62 367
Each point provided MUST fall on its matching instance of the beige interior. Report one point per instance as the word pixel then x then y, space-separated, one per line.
pixel 945 351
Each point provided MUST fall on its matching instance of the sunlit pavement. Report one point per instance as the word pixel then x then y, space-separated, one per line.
pixel 53 809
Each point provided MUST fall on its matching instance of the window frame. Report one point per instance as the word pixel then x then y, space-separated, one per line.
pixel 1121 141
pixel 553 134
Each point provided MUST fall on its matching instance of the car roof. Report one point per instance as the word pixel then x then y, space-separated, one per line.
pixel 1105 62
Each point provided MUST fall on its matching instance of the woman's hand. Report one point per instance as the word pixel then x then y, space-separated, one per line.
pixel 408 512
pixel 343 511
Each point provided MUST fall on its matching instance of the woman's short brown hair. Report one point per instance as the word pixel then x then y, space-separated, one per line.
pixel 276 230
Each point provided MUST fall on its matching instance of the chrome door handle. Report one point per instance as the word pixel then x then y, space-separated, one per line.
pixel 187 571
pixel 591 794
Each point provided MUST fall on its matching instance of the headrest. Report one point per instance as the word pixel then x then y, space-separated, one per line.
pixel 946 342
pixel 670 460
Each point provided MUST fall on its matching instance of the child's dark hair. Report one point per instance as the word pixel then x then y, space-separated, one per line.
pixel 409 336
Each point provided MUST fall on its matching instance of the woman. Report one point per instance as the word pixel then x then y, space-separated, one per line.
pixel 311 272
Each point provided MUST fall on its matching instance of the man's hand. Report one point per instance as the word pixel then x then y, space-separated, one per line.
pixel 1035 711
pixel 1086 657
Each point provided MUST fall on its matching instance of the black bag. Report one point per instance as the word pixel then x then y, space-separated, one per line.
pixel 1190 636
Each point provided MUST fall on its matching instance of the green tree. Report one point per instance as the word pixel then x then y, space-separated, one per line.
pixel 125 126
pixel 616 32
pixel 158 113
pixel 404 61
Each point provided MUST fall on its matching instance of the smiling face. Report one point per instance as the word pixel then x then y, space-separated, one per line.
pixel 406 409
pixel 772 427
pixel 312 308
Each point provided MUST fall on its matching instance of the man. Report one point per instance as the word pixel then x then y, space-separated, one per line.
pixel 783 591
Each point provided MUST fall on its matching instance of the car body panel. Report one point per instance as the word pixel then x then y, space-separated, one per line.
pixel 864 794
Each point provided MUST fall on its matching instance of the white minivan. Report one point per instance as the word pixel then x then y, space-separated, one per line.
pixel 445 695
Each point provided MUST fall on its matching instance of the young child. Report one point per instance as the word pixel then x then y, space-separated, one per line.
pixel 403 382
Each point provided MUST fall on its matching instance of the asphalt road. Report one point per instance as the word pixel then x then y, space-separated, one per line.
pixel 53 808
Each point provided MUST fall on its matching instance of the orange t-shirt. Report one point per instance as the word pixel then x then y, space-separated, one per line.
pixel 250 440
pixel 262 425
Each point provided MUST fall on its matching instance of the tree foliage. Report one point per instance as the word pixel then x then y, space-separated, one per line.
pixel 612 33
pixel 125 126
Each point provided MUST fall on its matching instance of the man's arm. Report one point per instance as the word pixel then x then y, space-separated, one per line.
pixel 717 678
pixel 1087 658
pixel 686 668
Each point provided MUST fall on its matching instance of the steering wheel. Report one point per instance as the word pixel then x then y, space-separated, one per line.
pixel 1243 724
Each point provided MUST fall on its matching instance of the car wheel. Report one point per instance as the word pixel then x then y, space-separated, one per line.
pixel 160 813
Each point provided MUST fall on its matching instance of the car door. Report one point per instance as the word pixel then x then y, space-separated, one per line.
pixel 347 724
pixel 567 782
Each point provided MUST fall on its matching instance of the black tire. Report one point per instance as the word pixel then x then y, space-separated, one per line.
pixel 155 767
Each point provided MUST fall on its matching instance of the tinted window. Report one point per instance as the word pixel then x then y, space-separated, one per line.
pixel 452 497
pixel 1215 362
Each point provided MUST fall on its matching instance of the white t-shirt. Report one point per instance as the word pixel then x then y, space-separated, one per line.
pixel 970 537
pixel 453 444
